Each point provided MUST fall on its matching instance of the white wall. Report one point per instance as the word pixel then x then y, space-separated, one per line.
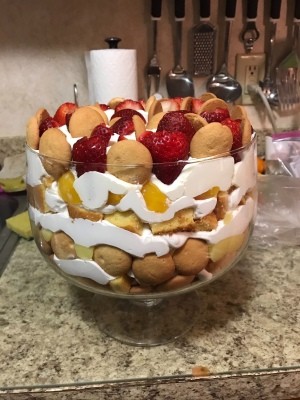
pixel 42 45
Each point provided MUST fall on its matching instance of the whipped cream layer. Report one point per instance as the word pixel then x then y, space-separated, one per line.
pixel 93 188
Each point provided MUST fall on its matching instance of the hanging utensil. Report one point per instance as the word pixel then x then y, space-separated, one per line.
pixel 179 82
pixel 75 92
pixel 292 59
pixel 268 85
pixel 222 84
pixel 250 34
pixel 153 69
pixel 288 71
pixel 204 37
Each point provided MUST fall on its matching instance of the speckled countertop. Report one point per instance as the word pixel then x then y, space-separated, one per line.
pixel 247 334
pixel 248 319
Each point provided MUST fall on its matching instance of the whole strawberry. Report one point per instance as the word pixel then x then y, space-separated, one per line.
pixel 176 121
pixel 168 150
pixel 218 115
pixel 90 153
pixel 47 123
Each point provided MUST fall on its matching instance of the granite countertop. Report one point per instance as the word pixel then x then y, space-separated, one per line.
pixel 248 320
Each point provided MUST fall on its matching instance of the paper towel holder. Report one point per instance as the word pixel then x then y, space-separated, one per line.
pixel 113 42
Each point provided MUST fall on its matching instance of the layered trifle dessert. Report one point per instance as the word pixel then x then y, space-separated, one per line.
pixel 142 197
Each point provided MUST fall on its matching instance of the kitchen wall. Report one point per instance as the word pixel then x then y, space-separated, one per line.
pixel 42 45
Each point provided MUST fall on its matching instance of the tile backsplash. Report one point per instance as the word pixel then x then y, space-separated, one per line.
pixel 42 46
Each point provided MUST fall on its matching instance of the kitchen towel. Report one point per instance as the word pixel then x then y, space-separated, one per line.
pixel 111 73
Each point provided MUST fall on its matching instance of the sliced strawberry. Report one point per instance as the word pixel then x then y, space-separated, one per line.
pixel 47 123
pixel 215 116
pixel 62 111
pixel 124 126
pixel 122 137
pixel 105 131
pixel 170 105
pixel 235 127
pixel 196 105
pixel 134 105
pixel 168 149
pixel 90 153
pixel 68 117
pixel 127 112
pixel 104 107
pixel 176 121
pixel 143 103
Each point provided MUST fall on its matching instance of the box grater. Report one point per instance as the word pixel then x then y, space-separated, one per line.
pixel 204 37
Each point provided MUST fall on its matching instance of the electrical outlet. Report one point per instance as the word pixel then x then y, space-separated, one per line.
pixel 250 69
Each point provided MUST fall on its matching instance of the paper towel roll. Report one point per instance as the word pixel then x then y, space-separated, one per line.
pixel 112 73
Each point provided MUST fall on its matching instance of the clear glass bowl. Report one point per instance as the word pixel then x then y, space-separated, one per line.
pixel 138 246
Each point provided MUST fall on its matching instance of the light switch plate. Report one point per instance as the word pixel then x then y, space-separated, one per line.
pixel 250 69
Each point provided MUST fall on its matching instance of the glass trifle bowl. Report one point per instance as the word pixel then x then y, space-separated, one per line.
pixel 142 206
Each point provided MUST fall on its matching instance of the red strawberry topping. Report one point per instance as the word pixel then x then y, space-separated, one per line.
pixel 127 112
pixel 91 153
pixel 105 131
pixel 215 116
pixel 124 126
pixel 47 123
pixel 176 121
pixel 235 127
pixel 170 104
pixel 62 111
pixel 104 107
pixel 196 105
pixel 166 149
pixel 134 105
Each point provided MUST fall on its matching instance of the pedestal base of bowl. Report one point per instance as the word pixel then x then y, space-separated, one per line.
pixel 150 322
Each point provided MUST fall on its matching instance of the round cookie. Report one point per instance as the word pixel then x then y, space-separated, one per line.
pixel 113 121
pixel 186 103
pixel 192 257
pixel 32 128
pixel 32 133
pixel 153 270
pixel 154 108
pixel 211 140
pixel 115 101
pixel 53 144
pixel 246 131
pixel 83 121
pixel 207 96
pixel 97 108
pixel 149 102
pixel 213 103
pixel 196 121
pixel 112 260
pixel 129 161
pixel 139 126
pixel 238 112
pixel 154 121
pixel 41 114
pixel 63 246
